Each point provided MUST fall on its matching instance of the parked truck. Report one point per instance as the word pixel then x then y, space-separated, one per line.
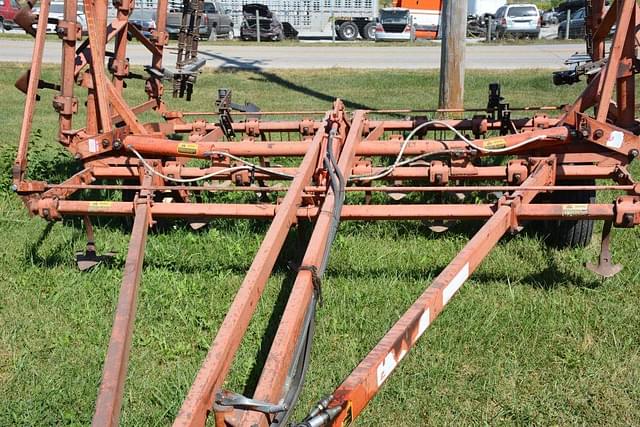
pixel 319 18
pixel 426 16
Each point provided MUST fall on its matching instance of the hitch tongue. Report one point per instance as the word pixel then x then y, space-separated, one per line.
pixel 604 267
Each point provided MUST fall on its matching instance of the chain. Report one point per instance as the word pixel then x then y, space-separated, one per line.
pixel 188 39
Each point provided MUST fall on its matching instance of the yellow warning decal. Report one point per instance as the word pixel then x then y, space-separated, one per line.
pixel 575 210
pixel 496 143
pixel 348 419
pixel 187 148
pixel 99 205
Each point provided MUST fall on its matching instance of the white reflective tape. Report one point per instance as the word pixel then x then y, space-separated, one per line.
pixel 615 140
pixel 455 284
pixel 93 146
pixel 423 324
pixel 388 365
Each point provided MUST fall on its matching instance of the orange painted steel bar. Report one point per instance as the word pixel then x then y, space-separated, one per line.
pixel 165 147
pixel 68 64
pixel 265 126
pixel 358 389
pixel 96 25
pixel 399 173
pixel 550 151
pixel 200 398
pixel 611 70
pixel 270 387
pixel 115 365
pixel 20 164
pixel 382 189
pixel 367 378
pixel 349 212
pixel 381 111
pixel 390 125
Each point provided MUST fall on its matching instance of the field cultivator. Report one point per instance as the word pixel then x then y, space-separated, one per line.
pixel 313 171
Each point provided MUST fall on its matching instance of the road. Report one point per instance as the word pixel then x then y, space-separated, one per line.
pixel 272 56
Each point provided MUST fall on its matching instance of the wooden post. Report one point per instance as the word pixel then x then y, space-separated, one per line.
pixel 454 31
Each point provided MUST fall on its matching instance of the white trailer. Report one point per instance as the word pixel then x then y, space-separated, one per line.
pixel 318 18
pixel 482 8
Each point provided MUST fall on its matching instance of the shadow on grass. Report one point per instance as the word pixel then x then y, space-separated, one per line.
pixel 553 275
pixel 293 252
pixel 32 255
pixel 231 65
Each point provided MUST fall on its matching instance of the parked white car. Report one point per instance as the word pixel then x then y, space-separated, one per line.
pixel 394 24
pixel 517 20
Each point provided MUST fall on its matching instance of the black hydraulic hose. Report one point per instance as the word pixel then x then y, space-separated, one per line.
pixel 302 355
pixel 337 183
pixel 302 352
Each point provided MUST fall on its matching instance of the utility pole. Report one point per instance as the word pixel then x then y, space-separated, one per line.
pixel 454 32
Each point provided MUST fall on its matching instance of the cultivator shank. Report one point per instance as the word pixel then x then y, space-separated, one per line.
pixel 317 168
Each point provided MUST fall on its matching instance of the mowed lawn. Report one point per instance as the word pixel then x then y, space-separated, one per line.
pixel 533 338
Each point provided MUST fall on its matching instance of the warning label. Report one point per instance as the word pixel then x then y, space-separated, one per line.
pixel 93 206
pixel 187 148
pixel 575 210
pixel 496 143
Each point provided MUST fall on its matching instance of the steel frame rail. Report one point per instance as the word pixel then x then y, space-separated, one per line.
pixel 542 154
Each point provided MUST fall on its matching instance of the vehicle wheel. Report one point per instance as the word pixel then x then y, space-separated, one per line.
pixel 348 31
pixel 561 34
pixel 570 233
pixel 369 31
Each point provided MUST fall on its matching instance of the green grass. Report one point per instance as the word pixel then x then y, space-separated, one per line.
pixel 533 338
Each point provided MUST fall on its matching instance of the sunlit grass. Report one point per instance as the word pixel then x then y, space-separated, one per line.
pixel 532 339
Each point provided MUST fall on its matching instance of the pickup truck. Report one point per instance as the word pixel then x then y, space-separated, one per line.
pixel 8 10
pixel 214 21
pixel 219 20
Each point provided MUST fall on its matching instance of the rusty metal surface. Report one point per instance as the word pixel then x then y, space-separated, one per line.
pixel 115 365
pixel 536 155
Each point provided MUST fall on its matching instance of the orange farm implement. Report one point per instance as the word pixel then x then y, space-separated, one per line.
pixel 544 168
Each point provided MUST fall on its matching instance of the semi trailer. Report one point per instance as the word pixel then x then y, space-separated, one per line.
pixel 347 19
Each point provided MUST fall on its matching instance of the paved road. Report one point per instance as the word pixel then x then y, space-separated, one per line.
pixel 271 56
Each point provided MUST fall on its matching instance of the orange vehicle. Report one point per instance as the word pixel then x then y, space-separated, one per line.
pixel 426 16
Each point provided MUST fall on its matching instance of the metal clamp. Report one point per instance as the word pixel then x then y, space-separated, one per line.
pixel 315 280
pixel 235 400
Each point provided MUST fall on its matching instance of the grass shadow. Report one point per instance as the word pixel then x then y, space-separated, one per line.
pixel 230 64
pixel 32 255
pixel 292 248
